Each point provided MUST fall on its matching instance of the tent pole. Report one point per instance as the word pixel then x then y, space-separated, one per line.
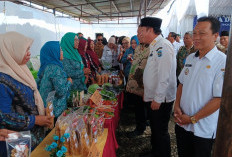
pixel 223 143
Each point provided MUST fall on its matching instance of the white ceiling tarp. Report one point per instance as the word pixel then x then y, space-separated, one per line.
pixel 182 13
pixel 43 26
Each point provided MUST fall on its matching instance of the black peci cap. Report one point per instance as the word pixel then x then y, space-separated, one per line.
pixel 224 33
pixel 151 22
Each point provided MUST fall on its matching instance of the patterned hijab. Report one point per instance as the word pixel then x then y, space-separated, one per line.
pixel 13 47
pixel 49 54
pixel 92 54
pixel 67 45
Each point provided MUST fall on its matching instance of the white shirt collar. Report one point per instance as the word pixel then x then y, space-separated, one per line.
pixel 208 55
pixel 155 40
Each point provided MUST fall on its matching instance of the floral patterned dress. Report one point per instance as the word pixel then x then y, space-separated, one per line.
pixel 55 79
pixel 18 109
pixel 73 70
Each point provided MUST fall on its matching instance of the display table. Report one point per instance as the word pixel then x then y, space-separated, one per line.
pixel 106 144
pixel 112 124
pixel 40 149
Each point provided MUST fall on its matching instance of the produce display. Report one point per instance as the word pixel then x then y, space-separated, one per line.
pixel 113 77
pixel 92 88
pixel 85 118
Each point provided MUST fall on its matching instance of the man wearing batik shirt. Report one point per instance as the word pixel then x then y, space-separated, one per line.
pixel 136 88
pixel 184 51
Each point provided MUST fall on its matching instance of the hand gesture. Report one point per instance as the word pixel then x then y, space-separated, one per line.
pixel 4 134
pixel 70 80
pixel 87 71
pixel 43 120
pixel 155 105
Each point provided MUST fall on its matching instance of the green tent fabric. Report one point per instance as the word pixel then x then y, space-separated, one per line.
pixel 67 45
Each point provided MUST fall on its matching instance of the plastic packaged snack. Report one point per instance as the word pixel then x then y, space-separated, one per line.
pixel 83 138
pixel 94 132
pixel 49 108
pixel 85 143
pixel 100 124
pixel 19 144
pixel 65 127
pixel 92 128
pixel 74 144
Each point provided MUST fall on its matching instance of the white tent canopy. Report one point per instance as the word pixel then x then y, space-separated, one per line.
pixel 43 26
pixel 181 16
pixel 178 16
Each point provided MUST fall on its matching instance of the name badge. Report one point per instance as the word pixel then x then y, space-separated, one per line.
pixel 188 65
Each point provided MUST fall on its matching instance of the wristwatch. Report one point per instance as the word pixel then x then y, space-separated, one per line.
pixel 193 120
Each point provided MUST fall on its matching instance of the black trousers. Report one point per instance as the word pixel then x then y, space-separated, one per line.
pixel 141 112
pixel 160 138
pixel 189 145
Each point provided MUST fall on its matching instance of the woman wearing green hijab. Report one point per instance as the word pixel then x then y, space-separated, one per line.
pixel 72 61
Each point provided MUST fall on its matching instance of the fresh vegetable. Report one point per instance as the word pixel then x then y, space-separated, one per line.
pixel 92 88
pixel 107 95
pixel 107 84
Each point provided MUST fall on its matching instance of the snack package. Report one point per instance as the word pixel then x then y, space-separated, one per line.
pixel 94 133
pixel 74 144
pixel 85 144
pixel 100 124
pixel 19 144
pixel 75 99
pixel 106 78
pixel 92 128
pixel 78 130
pixel 86 98
pixel 61 119
pixel 49 108
pixel 65 127
pixel 83 138
pixel 81 98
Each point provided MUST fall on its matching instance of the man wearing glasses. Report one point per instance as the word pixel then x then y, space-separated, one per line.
pixel 99 46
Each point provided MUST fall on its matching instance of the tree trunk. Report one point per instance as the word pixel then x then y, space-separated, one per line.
pixel 223 144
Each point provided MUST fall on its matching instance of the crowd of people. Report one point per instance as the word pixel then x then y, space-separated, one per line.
pixel 153 68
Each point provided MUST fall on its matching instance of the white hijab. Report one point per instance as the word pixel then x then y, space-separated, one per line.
pixel 13 47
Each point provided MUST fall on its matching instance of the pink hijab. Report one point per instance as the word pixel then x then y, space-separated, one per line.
pixel 13 47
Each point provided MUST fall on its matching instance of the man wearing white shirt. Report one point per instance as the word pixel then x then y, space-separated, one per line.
pixel 172 39
pixel 199 93
pixel 179 41
pixel 159 80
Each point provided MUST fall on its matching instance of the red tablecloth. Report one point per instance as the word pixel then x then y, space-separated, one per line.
pixel 111 143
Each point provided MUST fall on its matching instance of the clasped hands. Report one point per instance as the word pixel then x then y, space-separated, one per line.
pixel 180 117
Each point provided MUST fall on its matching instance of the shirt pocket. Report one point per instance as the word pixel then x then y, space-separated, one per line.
pixel 206 73
pixel 109 53
pixel 152 57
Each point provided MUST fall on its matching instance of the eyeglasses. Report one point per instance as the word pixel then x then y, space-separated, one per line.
pixel 125 43
pixel 100 39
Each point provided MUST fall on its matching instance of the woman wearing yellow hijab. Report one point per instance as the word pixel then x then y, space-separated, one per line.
pixel 21 105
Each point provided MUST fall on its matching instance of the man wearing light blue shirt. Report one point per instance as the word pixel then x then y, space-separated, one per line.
pixel 199 93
